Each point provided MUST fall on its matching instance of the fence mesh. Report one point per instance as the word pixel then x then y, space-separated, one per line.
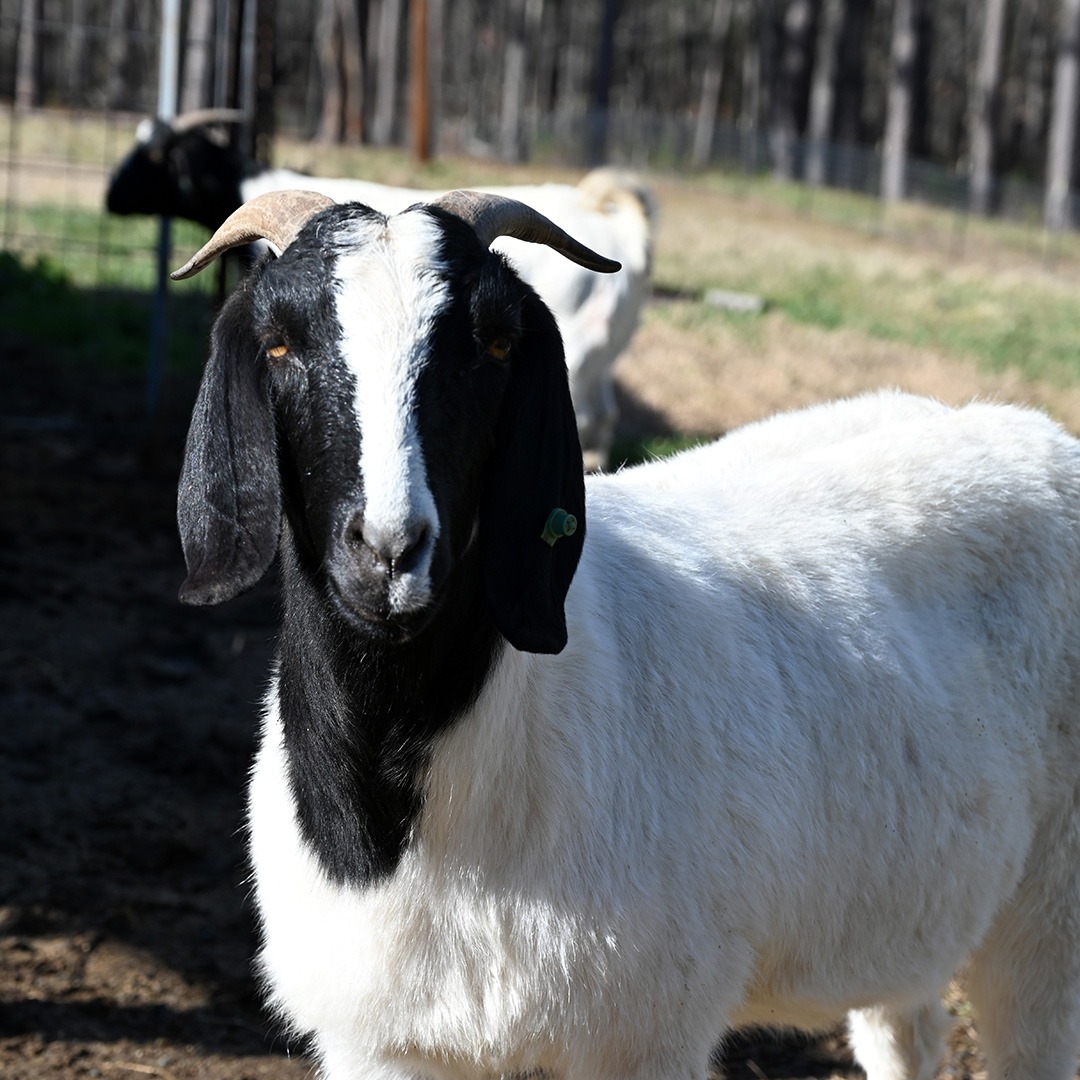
pixel 96 79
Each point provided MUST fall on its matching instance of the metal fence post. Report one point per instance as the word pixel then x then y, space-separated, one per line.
pixel 168 71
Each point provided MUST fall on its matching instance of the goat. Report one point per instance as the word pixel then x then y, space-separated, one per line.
pixel 189 168
pixel 770 749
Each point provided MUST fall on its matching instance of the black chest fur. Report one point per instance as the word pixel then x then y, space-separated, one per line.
pixel 360 719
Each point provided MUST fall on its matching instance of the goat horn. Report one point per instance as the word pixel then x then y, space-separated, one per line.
pixel 276 216
pixel 494 215
pixel 197 117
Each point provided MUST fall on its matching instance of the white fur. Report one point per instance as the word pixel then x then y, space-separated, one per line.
pixel 388 296
pixel 813 743
pixel 597 314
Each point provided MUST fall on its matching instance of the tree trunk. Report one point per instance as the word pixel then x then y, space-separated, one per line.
pixel 26 72
pixel 1037 63
pixel 352 62
pixel 571 73
pixel 710 84
pixel 850 74
pixel 77 83
pixel 898 107
pixel 437 29
pixel 823 91
pixel 117 48
pixel 419 86
pixel 384 121
pixel 511 125
pixel 600 100
pixel 793 63
pixel 752 106
pixel 984 107
pixel 1063 120
pixel 331 88
pixel 198 52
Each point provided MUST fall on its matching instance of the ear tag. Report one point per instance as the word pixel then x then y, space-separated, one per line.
pixel 559 524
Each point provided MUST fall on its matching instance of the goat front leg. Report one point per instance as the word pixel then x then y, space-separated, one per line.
pixel 899 1043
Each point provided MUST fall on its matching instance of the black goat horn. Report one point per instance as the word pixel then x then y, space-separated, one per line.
pixel 276 216
pixel 494 215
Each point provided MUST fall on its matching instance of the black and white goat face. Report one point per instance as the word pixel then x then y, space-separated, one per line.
pixel 393 389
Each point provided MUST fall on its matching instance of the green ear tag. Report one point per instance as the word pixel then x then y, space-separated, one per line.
pixel 559 524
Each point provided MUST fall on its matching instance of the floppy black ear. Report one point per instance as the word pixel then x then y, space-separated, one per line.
pixel 229 502
pixel 537 468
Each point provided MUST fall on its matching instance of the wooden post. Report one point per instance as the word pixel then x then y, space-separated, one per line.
pixel 419 99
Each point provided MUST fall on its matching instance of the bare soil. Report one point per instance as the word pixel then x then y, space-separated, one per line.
pixel 127 723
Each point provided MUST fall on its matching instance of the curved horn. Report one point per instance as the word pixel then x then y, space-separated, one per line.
pixel 276 216
pixel 197 117
pixel 494 215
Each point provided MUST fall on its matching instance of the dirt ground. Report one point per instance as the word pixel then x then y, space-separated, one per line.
pixel 127 723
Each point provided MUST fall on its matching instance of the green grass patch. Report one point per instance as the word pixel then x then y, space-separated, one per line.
pixel 41 307
pixel 627 452
pixel 1005 326
pixel 101 250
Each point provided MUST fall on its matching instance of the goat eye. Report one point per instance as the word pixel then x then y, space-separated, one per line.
pixel 276 352
pixel 499 348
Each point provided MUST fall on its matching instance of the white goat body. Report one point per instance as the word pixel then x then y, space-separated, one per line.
pixel 812 744
pixel 785 728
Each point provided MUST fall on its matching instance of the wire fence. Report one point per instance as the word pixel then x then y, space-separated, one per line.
pixel 55 160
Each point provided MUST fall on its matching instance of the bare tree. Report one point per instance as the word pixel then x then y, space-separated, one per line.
pixel 117 50
pixel 710 83
pixel 436 20
pixel 198 52
pixel 339 53
pixel 793 64
pixel 511 126
pixel 26 61
pixel 823 89
pixel 331 76
pixel 1035 63
pixel 387 46
pixel 850 71
pixel 600 100
pixel 984 106
pixel 752 106
pixel 419 81
pixel 76 59
pixel 572 67
pixel 1059 156
pixel 898 109
pixel 352 63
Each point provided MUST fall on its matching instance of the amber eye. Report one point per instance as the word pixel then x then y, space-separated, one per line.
pixel 276 352
pixel 500 348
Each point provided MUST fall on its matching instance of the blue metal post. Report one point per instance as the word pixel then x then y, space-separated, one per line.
pixel 168 78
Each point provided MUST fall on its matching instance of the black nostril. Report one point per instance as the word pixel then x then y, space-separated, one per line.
pixel 411 553
pixel 396 552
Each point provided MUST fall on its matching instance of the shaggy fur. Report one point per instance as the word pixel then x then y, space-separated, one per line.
pixel 798 738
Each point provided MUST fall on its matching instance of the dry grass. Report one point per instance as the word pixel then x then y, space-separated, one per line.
pixel 705 372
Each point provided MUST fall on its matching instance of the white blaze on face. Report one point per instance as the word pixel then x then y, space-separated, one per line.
pixel 389 294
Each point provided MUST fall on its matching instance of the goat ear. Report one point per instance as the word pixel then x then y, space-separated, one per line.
pixel 537 468
pixel 229 502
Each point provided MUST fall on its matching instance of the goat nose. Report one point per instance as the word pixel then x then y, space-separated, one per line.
pixel 396 551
